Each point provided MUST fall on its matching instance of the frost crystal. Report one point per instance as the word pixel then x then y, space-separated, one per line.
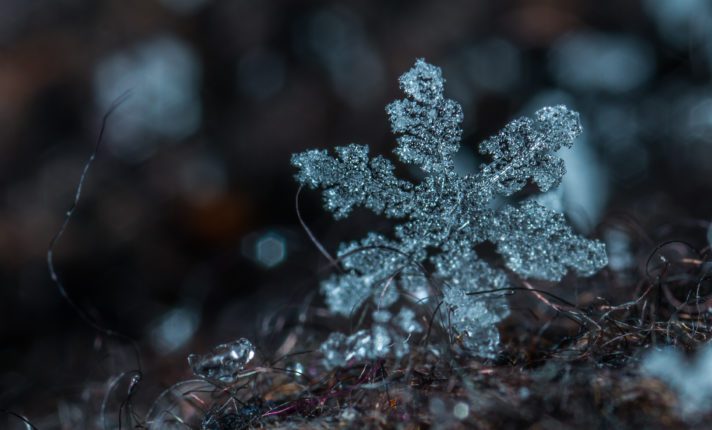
pixel 224 362
pixel 376 342
pixel 444 217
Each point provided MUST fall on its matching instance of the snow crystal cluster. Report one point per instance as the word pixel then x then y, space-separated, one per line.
pixel 373 343
pixel 442 219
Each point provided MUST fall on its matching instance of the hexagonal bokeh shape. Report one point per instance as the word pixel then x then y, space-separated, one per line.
pixel 270 250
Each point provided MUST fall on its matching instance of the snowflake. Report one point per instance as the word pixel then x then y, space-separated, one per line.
pixel 445 216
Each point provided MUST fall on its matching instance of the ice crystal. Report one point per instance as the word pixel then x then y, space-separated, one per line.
pixel 224 362
pixel 444 217
pixel 376 342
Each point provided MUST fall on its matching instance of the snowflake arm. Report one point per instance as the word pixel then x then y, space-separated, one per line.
pixel 474 317
pixel 524 149
pixel 426 123
pixel 345 293
pixel 351 180
pixel 372 264
pixel 537 243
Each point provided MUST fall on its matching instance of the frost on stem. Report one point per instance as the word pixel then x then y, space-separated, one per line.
pixel 445 216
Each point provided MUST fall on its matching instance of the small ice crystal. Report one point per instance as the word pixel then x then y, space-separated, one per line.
pixel 378 342
pixel 224 362
pixel 444 217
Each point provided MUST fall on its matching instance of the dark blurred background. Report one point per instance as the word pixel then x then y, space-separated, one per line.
pixel 187 236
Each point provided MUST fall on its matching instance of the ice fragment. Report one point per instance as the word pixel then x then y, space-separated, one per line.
pixel 224 362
